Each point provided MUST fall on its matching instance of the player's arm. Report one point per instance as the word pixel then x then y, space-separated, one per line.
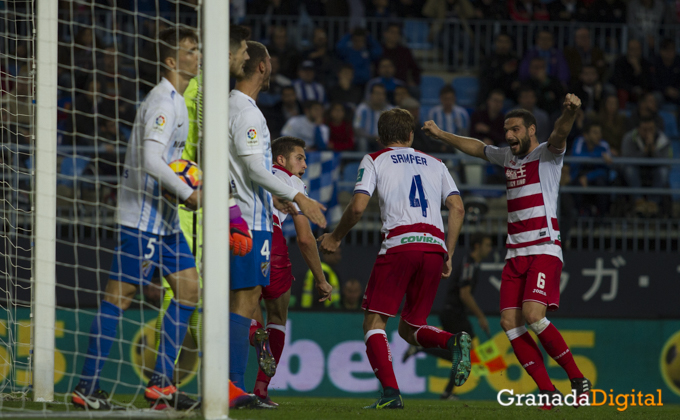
pixel 558 138
pixel 470 303
pixel 307 244
pixel 467 145
pixel 455 223
pixel 331 241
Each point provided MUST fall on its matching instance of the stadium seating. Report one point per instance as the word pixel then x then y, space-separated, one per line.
pixel 670 124
pixel 429 89
pixel 416 33
pixel 72 167
pixel 349 174
pixel 467 90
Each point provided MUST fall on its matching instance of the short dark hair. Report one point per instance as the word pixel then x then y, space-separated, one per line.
pixel 447 89
pixel 526 88
pixel 380 85
pixel 345 66
pixel 477 238
pixel 648 119
pixel 169 40
pixel 526 116
pixel 393 24
pixel 359 32
pixel 496 92
pixel 590 124
pixel 237 34
pixel 310 103
pixel 395 126
pixel 284 146
pixel 667 43
pixel 257 53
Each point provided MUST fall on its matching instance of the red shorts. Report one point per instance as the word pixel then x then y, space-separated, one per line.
pixel 280 281
pixel 534 278
pixel 415 274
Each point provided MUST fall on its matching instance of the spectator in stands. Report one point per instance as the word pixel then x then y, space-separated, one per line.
pixel 345 91
pixel 568 11
pixel 491 10
pixel 608 11
pixel 321 55
pixel 400 94
pixel 646 141
pixel 613 123
pixel 549 90
pixel 589 89
pixel 554 59
pixel 591 144
pixel 306 89
pixel 289 56
pixel 360 50
pixel 380 11
pixel 666 72
pixel 632 74
pixel 366 118
pixel 406 67
pixel 309 127
pixel 287 108
pixel 341 131
pixel 119 85
pixel 85 43
pixel 527 10
pixel 440 10
pixel 648 107
pixel 644 19
pixel 386 78
pixel 499 71
pixel 583 53
pixel 17 106
pixel 352 292
pixel 86 119
pixel 487 122
pixel 526 99
pixel 409 9
pixel 448 116
pixel 277 82
pixel 421 141
pixel 413 107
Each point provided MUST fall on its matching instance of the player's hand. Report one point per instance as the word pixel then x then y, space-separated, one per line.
pixel 193 201
pixel 324 289
pixel 431 129
pixel 240 238
pixel 446 269
pixel 572 102
pixel 284 206
pixel 312 209
pixel 484 324
pixel 327 244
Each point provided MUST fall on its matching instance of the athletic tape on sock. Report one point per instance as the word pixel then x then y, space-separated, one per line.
pixel 372 333
pixel 516 332
pixel 281 328
pixel 539 326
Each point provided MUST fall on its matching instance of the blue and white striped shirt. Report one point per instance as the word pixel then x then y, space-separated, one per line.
pixel 309 91
pixel 456 122
pixel 366 118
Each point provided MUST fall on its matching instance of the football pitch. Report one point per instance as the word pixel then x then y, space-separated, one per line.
pixel 300 408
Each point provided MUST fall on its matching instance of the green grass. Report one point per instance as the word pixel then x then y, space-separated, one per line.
pixel 298 408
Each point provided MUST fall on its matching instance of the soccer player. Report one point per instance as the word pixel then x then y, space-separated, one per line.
pixel 415 253
pixel 459 297
pixel 290 164
pixel 530 282
pixel 149 234
pixel 253 185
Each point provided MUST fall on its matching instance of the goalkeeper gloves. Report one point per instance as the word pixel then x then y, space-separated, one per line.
pixel 240 239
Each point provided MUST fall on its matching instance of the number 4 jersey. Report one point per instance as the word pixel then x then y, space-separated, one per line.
pixel 412 187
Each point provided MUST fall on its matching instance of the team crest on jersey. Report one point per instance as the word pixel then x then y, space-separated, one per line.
pixel 252 136
pixel 265 268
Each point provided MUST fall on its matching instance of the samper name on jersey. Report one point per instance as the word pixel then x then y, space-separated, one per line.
pixel 409 158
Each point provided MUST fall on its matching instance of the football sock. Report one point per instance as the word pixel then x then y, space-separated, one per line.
pixel 380 357
pixel 530 357
pixel 277 339
pixel 431 337
pixel 173 331
pixel 102 332
pixel 239 327
pixel 254 326
pixel 554 344
pixel 196 329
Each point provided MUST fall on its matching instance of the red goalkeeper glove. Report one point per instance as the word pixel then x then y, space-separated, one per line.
pixel 240 239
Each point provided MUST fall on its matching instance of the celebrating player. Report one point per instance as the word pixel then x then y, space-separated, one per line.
pixel 253 184
pixel 149 234
pixel 530 282
pixel 414 255
pixel 289 157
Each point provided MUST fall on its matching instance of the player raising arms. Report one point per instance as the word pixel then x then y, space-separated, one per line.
pixel 149 235
pixel 290 164
pixel 414 255
pixel 253 184
pixel 530 282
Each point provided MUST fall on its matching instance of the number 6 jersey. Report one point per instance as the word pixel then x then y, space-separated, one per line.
pixel 412 187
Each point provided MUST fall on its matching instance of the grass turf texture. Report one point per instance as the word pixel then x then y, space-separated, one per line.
pixel 299 408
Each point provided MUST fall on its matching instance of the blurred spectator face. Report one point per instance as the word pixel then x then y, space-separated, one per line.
pixel 386 68
pixel 315 113
pixel 306 75
pixel 345 75
pixel 288 96
pixel 378 97
pixel 611 105
pixel 337 113
pixel 647 130
pixel 648 105
pixel 537 69
pixel 495 103
pixel 503 44
pixel 85 37
pixel 379 4
pixel 320 40
pixel 274 60
pixel 392 36
pixel 593 135
pixel 400 93
pixel 359 42
pixel 544 41
pixel 448 100
pixel 413 107
pixel 352 293
pixel 668 54
pixel 634 49
pixel 527 99
pixel 589 76
pixel 582 39
pixel 92 89
pixel 280 37
pixel 485 248
pixel 110 60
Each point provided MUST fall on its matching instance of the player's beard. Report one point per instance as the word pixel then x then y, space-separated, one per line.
pixel 265 83
pixel 524 145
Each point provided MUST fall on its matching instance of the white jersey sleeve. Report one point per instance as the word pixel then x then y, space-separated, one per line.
pixel 496 155
pixel 160 123
pixel 292 181
pixel 449 186
pixel 366 177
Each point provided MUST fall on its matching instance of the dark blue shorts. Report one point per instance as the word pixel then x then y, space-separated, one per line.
pixel 139 254
pixel 252 269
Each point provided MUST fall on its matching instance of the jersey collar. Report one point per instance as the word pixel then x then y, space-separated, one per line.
pixel 281 168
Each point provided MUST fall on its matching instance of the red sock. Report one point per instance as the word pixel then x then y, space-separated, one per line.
pixel 430 337
pixel 554 344
pixel 529 356
pixel 380 357
pixel 254 326
pixel 277 339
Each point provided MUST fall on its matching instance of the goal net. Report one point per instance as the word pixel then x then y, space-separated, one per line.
pixel 107 62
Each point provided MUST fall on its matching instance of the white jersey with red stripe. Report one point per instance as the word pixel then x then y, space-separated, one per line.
pixel 289 179
pixel 533 183
pixel 412 187
pixel 279 252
